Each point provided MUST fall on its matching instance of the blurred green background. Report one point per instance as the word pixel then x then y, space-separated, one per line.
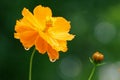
pixel 96 24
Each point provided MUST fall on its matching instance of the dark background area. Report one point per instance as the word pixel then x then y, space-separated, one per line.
pixel 96 24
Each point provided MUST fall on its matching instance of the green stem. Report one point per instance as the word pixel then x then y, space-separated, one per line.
pixel 31 60
pixel 92 72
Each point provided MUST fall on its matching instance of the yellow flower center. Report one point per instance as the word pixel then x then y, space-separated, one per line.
pixel 49 23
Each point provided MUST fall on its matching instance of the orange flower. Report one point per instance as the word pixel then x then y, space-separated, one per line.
pixel 48 34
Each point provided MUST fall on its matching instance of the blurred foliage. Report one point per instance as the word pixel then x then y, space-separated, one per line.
pixel 96 24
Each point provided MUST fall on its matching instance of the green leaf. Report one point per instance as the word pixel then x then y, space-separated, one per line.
pixel 100 64
pixel 91 60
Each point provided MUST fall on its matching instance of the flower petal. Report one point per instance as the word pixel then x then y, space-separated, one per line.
pixel 60 29
pixel 28 38
pixel 62 36
pixel 51 41
pixel 41 45
pixel 41 13
pixel 62 45
pixel 22 26
pixel 31 19
pixel 52 53
pixel 60 25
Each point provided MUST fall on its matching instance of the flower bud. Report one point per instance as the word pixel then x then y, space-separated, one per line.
pixel 97 57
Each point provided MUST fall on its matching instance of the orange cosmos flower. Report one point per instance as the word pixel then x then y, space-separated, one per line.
pixel 48 34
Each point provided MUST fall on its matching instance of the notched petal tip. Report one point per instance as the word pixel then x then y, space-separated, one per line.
pixel 71 36
pixel 26 12
pixel 41 12
pixel 65 49
pixel 16 35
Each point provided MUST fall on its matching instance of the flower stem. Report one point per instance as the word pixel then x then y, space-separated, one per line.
pixel 92 72
pixel 31 60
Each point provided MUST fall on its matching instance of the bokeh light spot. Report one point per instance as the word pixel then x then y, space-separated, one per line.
pixel 105 32
pixel 110 72
pixel 70 67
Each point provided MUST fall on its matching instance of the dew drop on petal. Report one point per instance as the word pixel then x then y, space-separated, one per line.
pixel 52 60
pixel 27 48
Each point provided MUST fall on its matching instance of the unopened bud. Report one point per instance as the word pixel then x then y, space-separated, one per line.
pixel 97 57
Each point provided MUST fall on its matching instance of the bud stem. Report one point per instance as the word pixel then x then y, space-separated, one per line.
pixel 92 72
